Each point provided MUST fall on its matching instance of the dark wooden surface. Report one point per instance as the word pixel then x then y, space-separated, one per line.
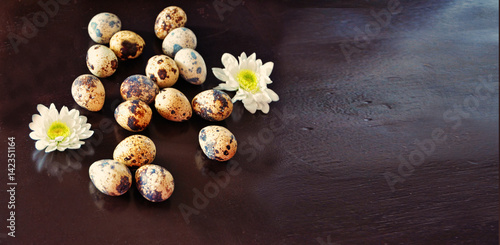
pixel 330 164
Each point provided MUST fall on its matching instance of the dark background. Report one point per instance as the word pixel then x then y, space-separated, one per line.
pixel 353 103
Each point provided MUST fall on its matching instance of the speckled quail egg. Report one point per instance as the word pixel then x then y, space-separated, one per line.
pixel 139 87
pixel 133 115
pixel 155 183
pixel 173 105
pixel 135 151
pixel 162 70
pixel 212 105
pixel 178 39
pixel 102 27
pixel 101 61
pixel 127 45
pixel 191 65
pixel 218 143
pixel 110 177
pixel 168 19
pixel 88 92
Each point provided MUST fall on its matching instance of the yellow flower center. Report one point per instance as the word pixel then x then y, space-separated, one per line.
pixel 57 129
pixel 248 80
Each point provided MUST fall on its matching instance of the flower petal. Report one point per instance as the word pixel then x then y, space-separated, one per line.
pixel 258 62
pixel 252 57
pixel 238 96
pixel 248 99
pixel 59 138
pixel 272 94
pixel 41 144
pixel 61 148
pixel 36 135
pixel 73 113
pixel 42 109
pixel 53 114
pixel 35 126
pixel 227 87
pixel 243 56
pixel 36 119
pixel 265 108
pixel 86 126
pixel 267 68
pixel 75 146
pixel 252 64
pixel 228 60
pixel 50 148
pixel 265 80
pixel 243 63
pixel 230 65
pixel 250 106
pixel 219 74
pixel 63 113
pixel 86 135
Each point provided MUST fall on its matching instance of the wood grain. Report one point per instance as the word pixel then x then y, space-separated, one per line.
pixel 386 131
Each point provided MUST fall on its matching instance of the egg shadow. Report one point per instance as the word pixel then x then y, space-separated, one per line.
pixel 198 123
pixel 157 47
pixel 206 165
pixel 159 126
pixel 107 203
pixel 240 113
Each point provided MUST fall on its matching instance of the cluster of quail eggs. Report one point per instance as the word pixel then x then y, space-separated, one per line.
pixel 179 59
pixel 113 176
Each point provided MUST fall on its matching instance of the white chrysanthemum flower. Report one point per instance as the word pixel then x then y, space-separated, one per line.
pixel 59 131
pixel 249 78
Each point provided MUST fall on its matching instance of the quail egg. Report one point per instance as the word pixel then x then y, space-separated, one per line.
pixel 155 183
pixel 88 92
pixel 168 19
pixel 173 105
pixel 191 65
pixel 178 39
pixel 212 105
pixel 162 70
pixel 139 87
pixel 133 115
pixel 101 61
pixel 135 151
pixel 102 27
pixel 110 177
pixel 127 45
pixel 217 142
